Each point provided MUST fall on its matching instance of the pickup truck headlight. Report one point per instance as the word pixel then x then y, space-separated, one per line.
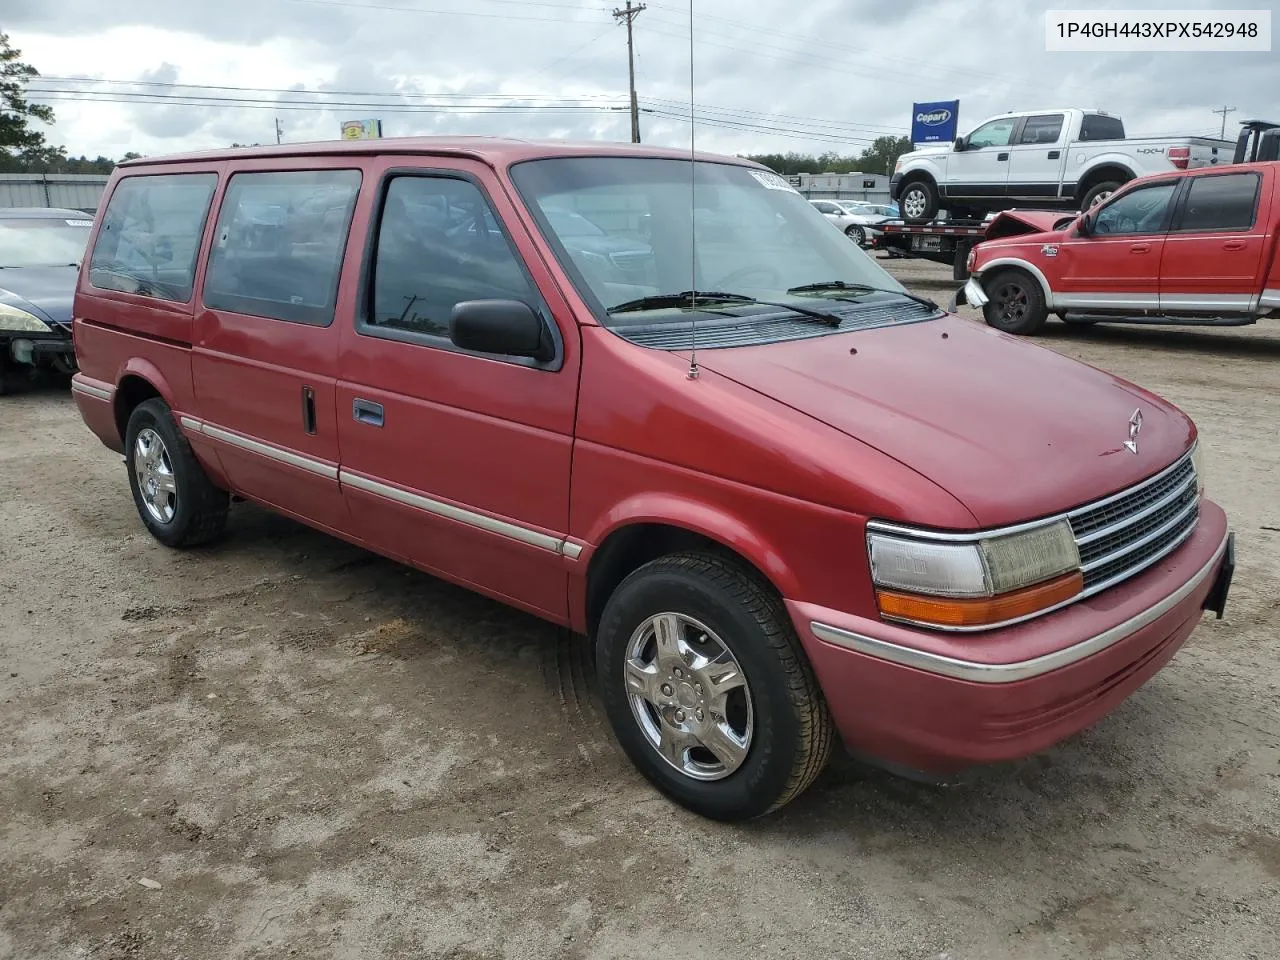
pixel 19 321
pixel 972 584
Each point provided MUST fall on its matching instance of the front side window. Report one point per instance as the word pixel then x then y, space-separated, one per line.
pixel 278 248
pixel 1221 202
pixel 42 241
pixel 151 234
pixel 439 244
pixel 733 231
pixel 1139 211
pixel 993 134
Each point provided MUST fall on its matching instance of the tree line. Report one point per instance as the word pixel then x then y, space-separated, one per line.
pixel 877 158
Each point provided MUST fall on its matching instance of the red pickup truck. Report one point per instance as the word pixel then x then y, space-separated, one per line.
pixel 1188 247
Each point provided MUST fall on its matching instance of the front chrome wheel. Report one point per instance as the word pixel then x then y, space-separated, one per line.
pixel 153 468
pixel 689 696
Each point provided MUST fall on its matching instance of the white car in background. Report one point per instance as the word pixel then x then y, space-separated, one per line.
pixel 858 220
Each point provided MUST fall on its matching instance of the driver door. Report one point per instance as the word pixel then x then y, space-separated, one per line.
pixel 982 168
pixel 1116 267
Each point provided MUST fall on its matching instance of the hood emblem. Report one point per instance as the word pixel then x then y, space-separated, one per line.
pixel 1135 427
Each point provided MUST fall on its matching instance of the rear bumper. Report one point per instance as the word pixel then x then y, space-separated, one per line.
pixel 95 400
pixel 939 703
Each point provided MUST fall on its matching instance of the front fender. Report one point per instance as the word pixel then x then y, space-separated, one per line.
pixel 1021 264
pixel 148 371
pixel 709 520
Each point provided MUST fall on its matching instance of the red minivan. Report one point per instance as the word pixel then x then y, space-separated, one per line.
pixel 662 401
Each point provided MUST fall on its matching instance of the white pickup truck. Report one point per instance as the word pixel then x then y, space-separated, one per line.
pixel 1060 159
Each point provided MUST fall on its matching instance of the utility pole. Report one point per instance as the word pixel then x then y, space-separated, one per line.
pixel 629 14
pixel 278 131
pixel 1224 111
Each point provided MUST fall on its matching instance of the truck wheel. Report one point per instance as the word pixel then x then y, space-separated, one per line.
pixel 177 502
pixel 1016 304
pixel 708 690
pixel 856 234
pixel 1098 193
pixel 918 201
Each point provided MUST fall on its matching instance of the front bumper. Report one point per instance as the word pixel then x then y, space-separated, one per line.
pixel 29 347
pixel 971 293
pixel 937 703
pixel 894 182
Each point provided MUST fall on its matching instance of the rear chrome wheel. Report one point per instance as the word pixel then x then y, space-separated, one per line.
pixel 154 470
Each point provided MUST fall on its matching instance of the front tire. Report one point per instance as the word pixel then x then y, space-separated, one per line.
pixel 1017 303
pixel 857 235
pixel 176 500
pixel 918 201
pixel 708 690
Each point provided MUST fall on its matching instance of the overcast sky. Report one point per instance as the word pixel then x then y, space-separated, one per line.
pixel 771 75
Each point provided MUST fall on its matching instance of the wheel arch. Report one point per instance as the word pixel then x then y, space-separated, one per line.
pixel 1107 170
pixel 646 535
pixel 138 382
pixel 994 266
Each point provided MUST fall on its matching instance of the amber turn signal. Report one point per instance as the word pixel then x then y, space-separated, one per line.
pixel 980 611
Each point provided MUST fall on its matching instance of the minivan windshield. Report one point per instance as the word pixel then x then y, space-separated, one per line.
pixel 636 236
pixel 43 241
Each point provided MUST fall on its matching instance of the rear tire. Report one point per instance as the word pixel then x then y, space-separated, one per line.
pixel 918 201
pixel 1017 303
pixel 857 235
pixel 176 500
pixel 1098 192
pixel 764 711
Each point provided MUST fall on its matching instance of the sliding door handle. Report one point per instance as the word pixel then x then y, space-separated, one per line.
pixel 366 411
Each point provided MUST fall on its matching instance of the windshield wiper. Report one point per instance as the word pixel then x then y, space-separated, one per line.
pixel 662 301
pixel 835 285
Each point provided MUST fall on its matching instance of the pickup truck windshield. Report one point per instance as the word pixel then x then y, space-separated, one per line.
pixel 42 242
pixel 631 233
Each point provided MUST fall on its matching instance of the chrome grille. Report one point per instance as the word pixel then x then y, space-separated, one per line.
pixel 1124 534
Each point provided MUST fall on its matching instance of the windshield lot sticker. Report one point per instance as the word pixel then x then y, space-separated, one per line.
pixel 773 181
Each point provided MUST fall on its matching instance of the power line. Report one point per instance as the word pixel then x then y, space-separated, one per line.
pixel 247 103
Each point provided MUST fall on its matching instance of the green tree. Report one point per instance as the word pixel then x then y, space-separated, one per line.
pixel 883 154
pixel 16 111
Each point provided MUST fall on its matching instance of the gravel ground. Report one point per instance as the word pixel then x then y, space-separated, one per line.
pixel 282 746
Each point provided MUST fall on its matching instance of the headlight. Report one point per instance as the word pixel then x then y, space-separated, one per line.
pixel 1198 462
pixel 974 583
pixel 11 318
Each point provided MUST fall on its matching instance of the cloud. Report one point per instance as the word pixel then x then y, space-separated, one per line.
pixel 771 75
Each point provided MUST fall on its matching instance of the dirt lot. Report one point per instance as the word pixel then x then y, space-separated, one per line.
pixel 316 753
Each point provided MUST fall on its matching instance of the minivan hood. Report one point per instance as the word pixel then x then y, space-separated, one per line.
pixel 1013 430
pixel 49 290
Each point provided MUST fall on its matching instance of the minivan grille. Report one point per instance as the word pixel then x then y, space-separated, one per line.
pixel 1124 534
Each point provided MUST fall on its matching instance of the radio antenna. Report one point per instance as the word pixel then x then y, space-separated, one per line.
pixel 693 216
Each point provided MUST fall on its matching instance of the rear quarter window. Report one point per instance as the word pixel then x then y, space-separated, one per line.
pixel 1094 127
pixel 279 245
pixel 150 235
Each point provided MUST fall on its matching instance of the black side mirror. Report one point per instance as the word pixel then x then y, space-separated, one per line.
pixel 505 327
pixel 961 143
pixel 1083 225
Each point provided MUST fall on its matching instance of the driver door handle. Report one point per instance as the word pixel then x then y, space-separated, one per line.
pixel 1002 156
pixel 1140 248
pixel 366 411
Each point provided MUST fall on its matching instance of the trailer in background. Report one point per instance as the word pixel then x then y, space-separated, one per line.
pixel 72 191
